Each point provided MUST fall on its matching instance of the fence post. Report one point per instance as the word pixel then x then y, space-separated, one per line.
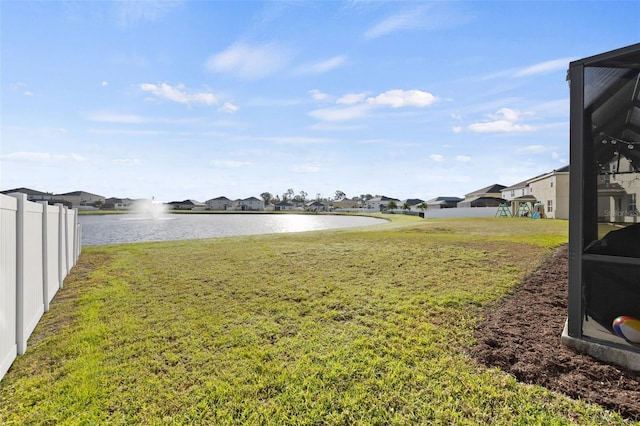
pixel 20 340
pixel 62 244
pixel 8 303
pixel 45 254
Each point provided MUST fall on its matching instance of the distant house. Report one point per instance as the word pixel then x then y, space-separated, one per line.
pixel 219 203
pixel 118 203
pixel 412 203
pixel 490 196
pixel 82 199
pixel 251 203
pixel 380 202
pixel 443 202
pixel 547 194
pixel 32 194
pixel 187 205
pixel 347 204
pixel 316 206
pixel 284 205
pixel 552 191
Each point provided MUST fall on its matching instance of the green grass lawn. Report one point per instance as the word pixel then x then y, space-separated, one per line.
pixel 365 326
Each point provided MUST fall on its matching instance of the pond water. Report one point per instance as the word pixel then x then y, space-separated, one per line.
pixel 130 228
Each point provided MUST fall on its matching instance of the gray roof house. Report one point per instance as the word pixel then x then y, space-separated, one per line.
pixel 219 203
pixel 490 196
pixel 380 202
pixel 443 202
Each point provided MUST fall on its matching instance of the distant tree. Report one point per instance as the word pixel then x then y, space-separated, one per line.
pixel 406 206
pixel 303 196
pixel 340 195
pixel 266 197
pixel 392 205
pixel 288 195
pixel 422 206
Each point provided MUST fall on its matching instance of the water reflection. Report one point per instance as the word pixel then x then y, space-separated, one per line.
pixel 129 228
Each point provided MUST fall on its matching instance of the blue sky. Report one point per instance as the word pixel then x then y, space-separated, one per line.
pixel 198 99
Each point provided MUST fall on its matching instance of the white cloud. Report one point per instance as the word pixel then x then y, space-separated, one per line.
pixel 127 162
pixel 533 149
pixel 230 164
pixel 463 158
pixel 322 66
pixel 318 95
pixel 306 168
pixel 43 158
pixel 504 120
pixel 178 94
pixel 249 62
pixel 403 21
pixel 104 83
pixel 456 129
pixel 28 93
pixel 229 108
pixel 555 156
pixel 340 114
pixel 437 158
pixel 351 98
pixel 499 126
pixel 107 117
pixel 561 64
pixel 131 11
pixel 401 98
pixel 507 114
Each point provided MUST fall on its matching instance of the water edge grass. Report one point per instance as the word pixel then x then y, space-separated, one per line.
pixel 360 326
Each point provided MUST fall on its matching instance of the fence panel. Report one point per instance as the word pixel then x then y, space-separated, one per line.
pixel 30 288
pixel 71 237
pixel 50 247
pixel 8 346
pixel 62 245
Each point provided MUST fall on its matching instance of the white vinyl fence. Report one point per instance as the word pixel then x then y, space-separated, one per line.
pixel 39 244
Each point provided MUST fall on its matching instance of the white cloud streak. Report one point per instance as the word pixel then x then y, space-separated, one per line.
pixel 322 66
pixel 351 98
pixel 546 67
pixel 228 108
pixel 403 98
pixel 230 164
pixel 178 94
pixel 402 21
pixel 504 120
pixel 249 62
pixel 43 158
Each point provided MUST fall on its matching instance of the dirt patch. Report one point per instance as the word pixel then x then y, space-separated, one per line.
pixel 522 337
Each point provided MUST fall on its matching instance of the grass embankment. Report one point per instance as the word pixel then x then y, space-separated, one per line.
pixel 362 326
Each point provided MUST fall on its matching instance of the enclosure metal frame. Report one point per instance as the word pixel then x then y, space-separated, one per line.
pixel 583 220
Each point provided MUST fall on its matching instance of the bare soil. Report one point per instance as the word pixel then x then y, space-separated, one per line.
pixel 522 337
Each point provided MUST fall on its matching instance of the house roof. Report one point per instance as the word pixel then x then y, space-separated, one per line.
pixel 412 201
pixel 27 191
pixel 78 193
pixel 518 185
pixel 496 188
pixel 440 200
pixel 383 198
pixel 480 197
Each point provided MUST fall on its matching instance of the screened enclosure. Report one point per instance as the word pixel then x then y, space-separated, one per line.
pixel 604 226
